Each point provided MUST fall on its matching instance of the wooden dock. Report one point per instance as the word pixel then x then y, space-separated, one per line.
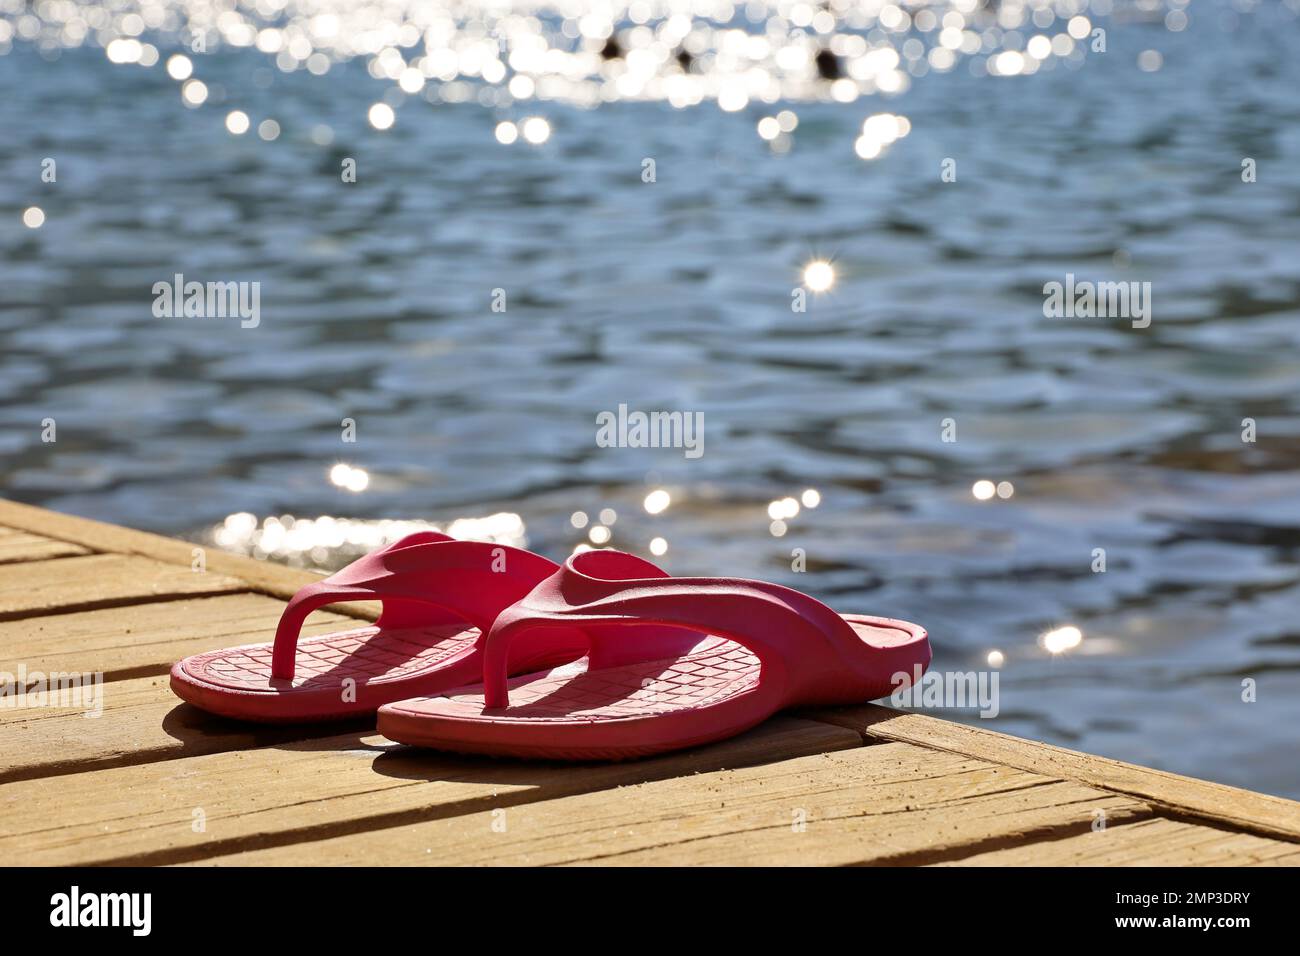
pixel 154 781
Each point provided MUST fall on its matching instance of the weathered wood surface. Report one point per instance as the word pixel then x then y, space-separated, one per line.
pixel 90 581
pixel 1244 809
pixel 141 722
pixel 297 794
pixel 154 781
pixel 892 803
pixel 265 577
pixel 137 640
pixel 1168 842
pixel 23 546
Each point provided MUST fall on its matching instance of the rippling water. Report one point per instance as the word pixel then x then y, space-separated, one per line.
pixel 376 305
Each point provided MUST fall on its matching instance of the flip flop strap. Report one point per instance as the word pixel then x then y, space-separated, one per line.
pixel 793 635
pixel 468 581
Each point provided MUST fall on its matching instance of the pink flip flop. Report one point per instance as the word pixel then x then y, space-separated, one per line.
pixel 440 597
pixel 671 663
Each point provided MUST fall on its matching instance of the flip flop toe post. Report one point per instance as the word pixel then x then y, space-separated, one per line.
pixel 671 663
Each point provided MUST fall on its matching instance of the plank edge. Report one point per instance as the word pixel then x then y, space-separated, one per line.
pixel 1199 800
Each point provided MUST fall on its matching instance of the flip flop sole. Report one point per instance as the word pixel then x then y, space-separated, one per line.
pixel 633 741
pixel 340 675
pixel 631 710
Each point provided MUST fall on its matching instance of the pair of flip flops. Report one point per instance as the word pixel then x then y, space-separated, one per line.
pixel 483 648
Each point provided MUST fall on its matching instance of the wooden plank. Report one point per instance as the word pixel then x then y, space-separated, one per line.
pixel 141 721
pixel 16 545
pixel 266 577
pixel 99 580
pixel 143 639
pixel 1157 841
pixel 891 803
pixel 1184 796
pixel 298 793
